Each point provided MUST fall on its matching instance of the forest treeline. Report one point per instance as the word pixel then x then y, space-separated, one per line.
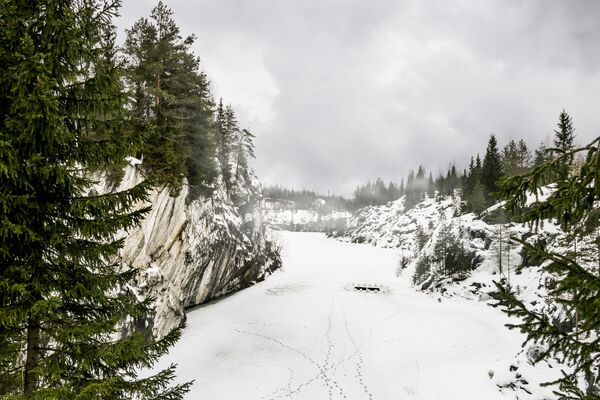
pixel 479 181
pixel 307 199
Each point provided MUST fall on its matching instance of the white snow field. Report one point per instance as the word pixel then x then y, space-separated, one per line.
pixel 304 333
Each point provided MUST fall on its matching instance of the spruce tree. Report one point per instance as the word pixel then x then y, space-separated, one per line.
pixel 62 295
pixel 491 170
pixel 576 288
pixel 564 143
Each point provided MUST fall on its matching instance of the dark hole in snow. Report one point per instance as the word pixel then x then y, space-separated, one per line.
pixel 367 288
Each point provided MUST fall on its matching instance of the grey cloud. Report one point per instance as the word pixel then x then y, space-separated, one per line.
pixel 338 92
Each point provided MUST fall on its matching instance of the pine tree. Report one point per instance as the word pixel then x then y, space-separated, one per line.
pixel 576 285
pixel 62 296
pixel 491 170
pixel 200 131
pixel 542 156
pixel 564 143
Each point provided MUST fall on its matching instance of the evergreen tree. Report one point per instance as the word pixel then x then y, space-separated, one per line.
pixel 244 152
pixel 577 286
pixel 61 295
pixel 412 191
pixel 449 253
pixel 430 185
pixel 170 102
pixel 470 177
pixel 524 157
pixel 564 143
pixel 542 155
pixel 491 170
pixel 223 143
pixel 510 159
pixel 476 199
pixel 199 127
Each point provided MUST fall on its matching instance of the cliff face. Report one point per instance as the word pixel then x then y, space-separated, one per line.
pixel 188 254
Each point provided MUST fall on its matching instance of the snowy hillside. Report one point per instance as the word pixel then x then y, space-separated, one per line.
pixel 424 231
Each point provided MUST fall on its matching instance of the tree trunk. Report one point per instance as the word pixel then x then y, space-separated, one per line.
pixel 30 378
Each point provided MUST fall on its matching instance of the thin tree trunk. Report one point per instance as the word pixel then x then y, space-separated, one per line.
pixel 30 378
pixel 157 90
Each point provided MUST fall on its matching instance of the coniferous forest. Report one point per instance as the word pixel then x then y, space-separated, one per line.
pixel 478 182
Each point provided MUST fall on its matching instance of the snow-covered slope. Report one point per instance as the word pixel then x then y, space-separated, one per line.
pixel 187 254
pixel 490 256
pixel 390 226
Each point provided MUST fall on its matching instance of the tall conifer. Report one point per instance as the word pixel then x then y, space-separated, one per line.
pixel 62 298
pixel 564 142
pixel 491 169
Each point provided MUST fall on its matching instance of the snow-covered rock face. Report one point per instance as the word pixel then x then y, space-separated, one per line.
pixel 284 215
pixel 390 226
pixel 187 254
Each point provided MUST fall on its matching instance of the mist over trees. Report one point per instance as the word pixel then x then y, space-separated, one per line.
pixel 306 199
pixel 179 129
pixel 479 182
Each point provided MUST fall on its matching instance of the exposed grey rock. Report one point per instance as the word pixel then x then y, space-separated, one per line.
pixel 191 253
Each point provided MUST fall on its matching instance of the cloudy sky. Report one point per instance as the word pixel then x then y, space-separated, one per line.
pixel 341 91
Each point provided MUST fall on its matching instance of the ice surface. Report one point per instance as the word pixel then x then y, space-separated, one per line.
pixel 301 334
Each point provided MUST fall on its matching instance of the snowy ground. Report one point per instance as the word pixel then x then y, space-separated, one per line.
pixel 305 334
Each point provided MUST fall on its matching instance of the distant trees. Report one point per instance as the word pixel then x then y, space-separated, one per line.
pixel 516 158
pixel 448 256
pixel 305 199
pixel 479 181
pixel 377 193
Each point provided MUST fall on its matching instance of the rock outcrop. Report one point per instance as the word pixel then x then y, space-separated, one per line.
pixel 188 253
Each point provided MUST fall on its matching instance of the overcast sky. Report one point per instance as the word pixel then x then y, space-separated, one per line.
pixel 341 91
